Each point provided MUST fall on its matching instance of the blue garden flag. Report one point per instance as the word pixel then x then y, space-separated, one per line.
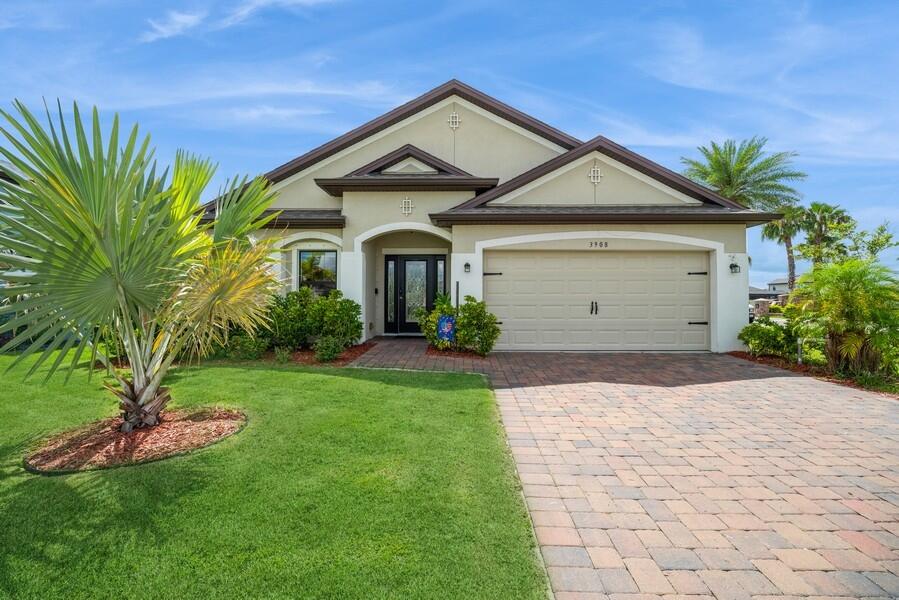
pixel 446 328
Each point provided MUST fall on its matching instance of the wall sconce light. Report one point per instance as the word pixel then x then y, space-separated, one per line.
pixel 467 267
pixel 734 267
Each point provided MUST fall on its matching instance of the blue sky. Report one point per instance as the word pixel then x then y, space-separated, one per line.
pixel 254 83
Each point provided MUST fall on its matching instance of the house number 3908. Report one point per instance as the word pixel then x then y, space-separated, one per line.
pixel 598 244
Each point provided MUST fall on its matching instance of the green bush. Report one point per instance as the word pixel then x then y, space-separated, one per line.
pixel 289 319
pixel 299 318
pixel 427 320
pixel 328 348
pixel 336 317
pixel 246 347
pixel 476 327
pixel 765 337
pixel 855 305
pixel 775 309
pixel 282 355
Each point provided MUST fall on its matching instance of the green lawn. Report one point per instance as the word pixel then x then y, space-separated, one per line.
pixel 345 483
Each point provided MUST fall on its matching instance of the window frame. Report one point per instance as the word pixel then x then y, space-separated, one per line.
pixel 298 262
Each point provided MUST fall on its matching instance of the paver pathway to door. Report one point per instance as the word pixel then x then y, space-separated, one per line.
pixel 694 475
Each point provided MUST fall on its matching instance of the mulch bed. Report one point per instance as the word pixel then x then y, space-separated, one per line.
pixel 808 370
pixel 307 357
pixel 101 445
pixel 432 351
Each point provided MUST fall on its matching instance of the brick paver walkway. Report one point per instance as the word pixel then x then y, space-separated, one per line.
pixel 695 475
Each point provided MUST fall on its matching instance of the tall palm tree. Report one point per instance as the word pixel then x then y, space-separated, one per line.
pixel 104 252
pixel 822 218
pixel 783 231
pixel 745 173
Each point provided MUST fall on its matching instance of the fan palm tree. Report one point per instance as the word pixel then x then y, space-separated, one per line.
pixel 783 231
pixel 104 252
pixel 745 174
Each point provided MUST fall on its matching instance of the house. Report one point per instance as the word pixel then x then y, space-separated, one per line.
pixel 781 286
pixel 758 293
pixel 574 245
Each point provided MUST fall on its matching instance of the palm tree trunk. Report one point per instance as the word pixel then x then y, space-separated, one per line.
pixel 143 398
pixel 791 263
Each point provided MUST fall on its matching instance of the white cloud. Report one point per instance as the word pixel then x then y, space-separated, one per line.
pixel 247 8
pixel 785 85
pixel 175 23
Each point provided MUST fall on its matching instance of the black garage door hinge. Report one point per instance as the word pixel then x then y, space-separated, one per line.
pixel 698 273
pixel 491 274
pixel 697 322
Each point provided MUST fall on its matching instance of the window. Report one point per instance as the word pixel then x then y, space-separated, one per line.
pixel 318 270
pixel 441 275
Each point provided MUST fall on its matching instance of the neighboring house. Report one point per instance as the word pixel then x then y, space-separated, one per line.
pixel 781 286
pixel 757 293
pixel 574 245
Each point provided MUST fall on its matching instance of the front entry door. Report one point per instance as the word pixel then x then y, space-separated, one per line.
pixel 412 282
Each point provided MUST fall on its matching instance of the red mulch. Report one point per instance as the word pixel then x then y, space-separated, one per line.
pixel 432 351
pixel 100 445
pixel 808 370
pixel 307 357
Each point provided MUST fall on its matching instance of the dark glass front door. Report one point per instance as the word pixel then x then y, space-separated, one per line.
pixel 411 283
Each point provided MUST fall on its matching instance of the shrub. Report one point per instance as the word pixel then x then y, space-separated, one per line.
pixel 337 317
pixel 855 304
pixel 328 348
pixel 427 320
pixel 765 337
pixel 242 346
pixel 289 317
pixel 282 355
pixel 775 309
pixel 476 327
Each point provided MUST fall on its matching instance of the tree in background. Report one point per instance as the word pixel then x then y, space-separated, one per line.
pixel 745 173
pixel 784 231
pixel 106 254
pixel 832 235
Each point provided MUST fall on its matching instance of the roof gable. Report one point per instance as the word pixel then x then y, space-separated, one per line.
pixel 595 179
pixel 408 155
pixel 448 89
pixel 620 154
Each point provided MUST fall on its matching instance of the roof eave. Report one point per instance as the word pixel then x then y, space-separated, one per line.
pixel 336 186
pixel 447 219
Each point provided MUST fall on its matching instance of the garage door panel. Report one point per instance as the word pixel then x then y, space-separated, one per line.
pixel 645 300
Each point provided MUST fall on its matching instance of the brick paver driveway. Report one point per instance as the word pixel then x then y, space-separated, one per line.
pixel 655 475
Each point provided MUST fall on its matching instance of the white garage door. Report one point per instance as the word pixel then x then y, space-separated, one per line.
pixel 555 300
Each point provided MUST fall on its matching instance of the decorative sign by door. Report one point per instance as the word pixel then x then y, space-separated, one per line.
pixel 446 328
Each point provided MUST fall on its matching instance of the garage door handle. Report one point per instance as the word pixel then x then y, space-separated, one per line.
pixel 697 322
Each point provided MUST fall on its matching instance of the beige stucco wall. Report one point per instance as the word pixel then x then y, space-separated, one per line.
pixel 367 210
pixel 481 145
pixel 619 185
pixel 733 236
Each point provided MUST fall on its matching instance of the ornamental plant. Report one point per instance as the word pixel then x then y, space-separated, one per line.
pixel 477 329
pixel 855 303
pixel 105 256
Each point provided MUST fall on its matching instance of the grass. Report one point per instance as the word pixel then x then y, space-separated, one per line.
pixel 346 483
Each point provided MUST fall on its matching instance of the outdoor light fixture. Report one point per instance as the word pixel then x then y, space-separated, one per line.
pixel 468 267
pixel 734 267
